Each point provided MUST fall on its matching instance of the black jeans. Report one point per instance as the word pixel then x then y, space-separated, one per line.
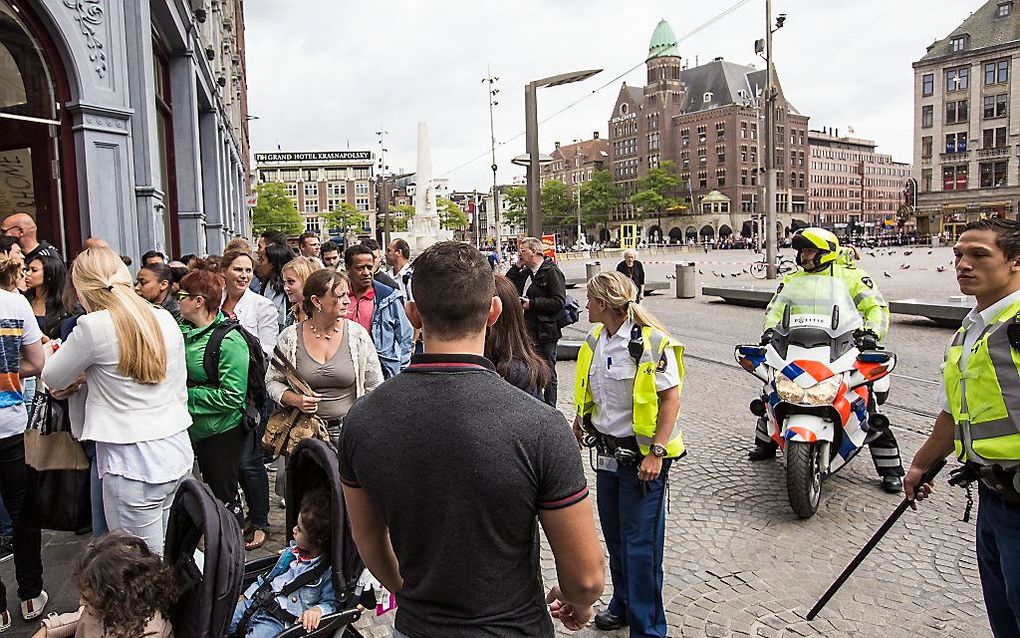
pixel 548 352
pixel 219 459
pixel 27 540
pixel 254 478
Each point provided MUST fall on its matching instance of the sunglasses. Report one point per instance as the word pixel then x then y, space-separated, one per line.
pixel 182 295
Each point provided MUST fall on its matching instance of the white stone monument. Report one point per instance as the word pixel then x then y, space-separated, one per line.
pixel 423 230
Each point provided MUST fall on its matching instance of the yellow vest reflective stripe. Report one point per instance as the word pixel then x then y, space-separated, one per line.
pixel 984 398
pixel 646 398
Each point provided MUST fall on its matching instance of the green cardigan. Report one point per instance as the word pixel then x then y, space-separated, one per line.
pixel 215 409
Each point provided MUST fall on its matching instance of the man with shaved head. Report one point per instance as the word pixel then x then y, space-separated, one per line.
pixel 22 226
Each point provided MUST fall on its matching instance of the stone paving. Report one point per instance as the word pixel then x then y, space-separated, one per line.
pixel 737 560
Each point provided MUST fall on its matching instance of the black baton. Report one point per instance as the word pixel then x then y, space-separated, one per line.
pixel 928 477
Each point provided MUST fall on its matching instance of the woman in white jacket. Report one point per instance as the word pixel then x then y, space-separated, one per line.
pixel 131 355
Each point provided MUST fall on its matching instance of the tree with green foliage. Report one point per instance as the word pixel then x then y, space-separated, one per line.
pixel 451 217
pixel 400 224
pixel 658 192
pixel 516 213
pixel 345 218
pixel 557 205
pixel 598 196
pixel 275 210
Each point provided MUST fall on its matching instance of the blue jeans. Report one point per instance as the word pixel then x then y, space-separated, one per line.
pixel 634 526
pixel 998 554
pixel 262 625
pixel 98 515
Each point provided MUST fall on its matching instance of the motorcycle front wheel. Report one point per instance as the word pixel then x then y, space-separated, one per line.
pixel 803 477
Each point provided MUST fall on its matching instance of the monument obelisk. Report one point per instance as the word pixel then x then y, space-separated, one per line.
pixel 423 230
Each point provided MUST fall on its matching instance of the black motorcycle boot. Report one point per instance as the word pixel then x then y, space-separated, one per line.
pixel 892 484
pixel 606 621
pixel 762 452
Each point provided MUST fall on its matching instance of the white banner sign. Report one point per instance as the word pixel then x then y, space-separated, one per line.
pixel 17 190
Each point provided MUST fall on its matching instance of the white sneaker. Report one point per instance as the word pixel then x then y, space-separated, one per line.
pixel 34 608
pixel 5 621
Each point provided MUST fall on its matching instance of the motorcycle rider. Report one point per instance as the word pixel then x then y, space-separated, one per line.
pixel 819 255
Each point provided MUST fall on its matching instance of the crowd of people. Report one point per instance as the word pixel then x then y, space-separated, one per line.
pixel 178 372
pixel 175 346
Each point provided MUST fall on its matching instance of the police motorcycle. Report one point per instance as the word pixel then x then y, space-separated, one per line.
pixel 817 396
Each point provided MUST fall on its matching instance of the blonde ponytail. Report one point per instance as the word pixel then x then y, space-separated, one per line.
pixel 10 269
pixel 104 283
pixel 618 292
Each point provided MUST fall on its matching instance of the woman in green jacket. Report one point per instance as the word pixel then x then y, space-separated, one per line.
pixel 216 405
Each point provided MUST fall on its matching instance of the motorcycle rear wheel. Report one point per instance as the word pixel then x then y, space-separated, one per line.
pixel 803 477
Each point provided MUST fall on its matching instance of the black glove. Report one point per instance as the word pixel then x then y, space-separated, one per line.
pixel 766 337
pixel 866 340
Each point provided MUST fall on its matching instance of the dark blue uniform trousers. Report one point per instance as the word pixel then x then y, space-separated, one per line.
pixel 634 526
pixel 998 553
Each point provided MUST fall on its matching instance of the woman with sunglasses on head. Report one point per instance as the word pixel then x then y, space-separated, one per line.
pixel 216 405
pixel 154 283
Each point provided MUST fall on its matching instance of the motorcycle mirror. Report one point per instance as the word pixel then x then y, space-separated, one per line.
pixel 873 356
pixel 786 317
pixel 835 317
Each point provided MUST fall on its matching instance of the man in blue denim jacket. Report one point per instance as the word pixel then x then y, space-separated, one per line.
pixel 380 310
pixel 306 606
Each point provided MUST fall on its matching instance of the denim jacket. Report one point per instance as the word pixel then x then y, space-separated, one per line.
pixel 319 593
pixel 391 331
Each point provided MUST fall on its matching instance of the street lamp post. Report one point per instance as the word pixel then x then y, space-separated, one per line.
pixel 531 140
pixel 579 229
pixel 493 92
pixel 770 143
pixel 384 200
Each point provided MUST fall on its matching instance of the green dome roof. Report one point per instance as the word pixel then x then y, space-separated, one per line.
pixel 663 42
pixel 714 197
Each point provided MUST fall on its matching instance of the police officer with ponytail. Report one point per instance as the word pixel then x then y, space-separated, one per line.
pixel 980 418
pixel 627 396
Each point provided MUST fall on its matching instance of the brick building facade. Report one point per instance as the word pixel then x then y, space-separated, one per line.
pixel 706 119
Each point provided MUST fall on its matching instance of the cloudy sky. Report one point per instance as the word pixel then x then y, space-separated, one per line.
pixel 327 74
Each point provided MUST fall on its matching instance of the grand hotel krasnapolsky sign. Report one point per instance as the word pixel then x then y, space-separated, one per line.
pixel 329 156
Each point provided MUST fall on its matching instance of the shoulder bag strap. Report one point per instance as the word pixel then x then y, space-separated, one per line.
pixel 281 363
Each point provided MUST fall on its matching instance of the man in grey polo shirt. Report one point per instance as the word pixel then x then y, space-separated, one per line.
pixel 447 470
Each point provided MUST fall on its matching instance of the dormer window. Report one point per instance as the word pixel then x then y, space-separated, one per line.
pixel 958 44
pixel 623 109
pixel 707 97
pixel 1004 9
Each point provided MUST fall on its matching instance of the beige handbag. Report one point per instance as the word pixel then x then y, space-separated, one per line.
pixel 48 441
pixel 289 425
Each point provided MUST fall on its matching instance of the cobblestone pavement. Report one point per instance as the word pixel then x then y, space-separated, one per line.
pixel 737 560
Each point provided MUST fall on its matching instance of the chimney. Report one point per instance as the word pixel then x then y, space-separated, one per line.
pixel 595 135
pixel 557 144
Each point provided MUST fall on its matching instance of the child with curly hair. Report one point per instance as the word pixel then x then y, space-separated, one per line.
pixel 307 558
pixel 126 592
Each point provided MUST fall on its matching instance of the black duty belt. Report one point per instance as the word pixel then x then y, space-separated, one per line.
pixel 1001 481
pixel 624 449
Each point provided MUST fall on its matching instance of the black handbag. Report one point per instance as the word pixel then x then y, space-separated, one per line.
pixel 60 484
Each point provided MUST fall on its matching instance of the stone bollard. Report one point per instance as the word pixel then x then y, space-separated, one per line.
pixel 592 269
pixel 685 281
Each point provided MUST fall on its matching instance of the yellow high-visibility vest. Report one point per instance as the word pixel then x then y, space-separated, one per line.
pixel 646 398
pixel 984 397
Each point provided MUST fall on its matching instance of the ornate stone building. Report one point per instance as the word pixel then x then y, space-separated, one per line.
pixel 706 120
pixel 125 120
pixel 965 122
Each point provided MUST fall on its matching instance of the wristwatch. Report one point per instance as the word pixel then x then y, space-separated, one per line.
pixel 658 451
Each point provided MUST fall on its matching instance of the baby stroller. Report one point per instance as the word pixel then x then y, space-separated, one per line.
pixel 208 592
pixel 206 604
pixel 313 465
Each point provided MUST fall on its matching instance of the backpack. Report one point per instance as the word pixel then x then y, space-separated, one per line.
pixel 256 395
pixel 570 314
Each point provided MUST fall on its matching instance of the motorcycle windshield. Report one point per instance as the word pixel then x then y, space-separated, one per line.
pixel 817 303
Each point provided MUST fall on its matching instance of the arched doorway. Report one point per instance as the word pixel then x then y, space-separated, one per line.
pixel 604 235
pixel 707 232
pixel 691 233
pixel 655 235
pixel 749 228
pixel 675 235
pixel 725 231
pixel 35 134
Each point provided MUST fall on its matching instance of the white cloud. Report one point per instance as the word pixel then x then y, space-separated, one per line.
pixel 323 74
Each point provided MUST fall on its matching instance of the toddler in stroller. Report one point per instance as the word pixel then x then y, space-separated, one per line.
pixel 299 588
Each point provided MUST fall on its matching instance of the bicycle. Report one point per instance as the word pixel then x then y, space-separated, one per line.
pixel 783 265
